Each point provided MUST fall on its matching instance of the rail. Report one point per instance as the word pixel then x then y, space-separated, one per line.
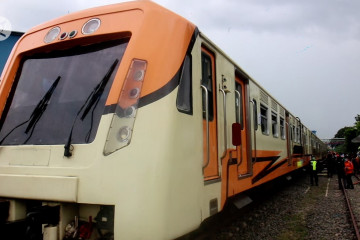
pixel 225 122
pixel 207 126
pixel 255 128
pixel 348 203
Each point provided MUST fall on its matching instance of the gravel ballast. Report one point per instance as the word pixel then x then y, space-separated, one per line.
pixel 291 210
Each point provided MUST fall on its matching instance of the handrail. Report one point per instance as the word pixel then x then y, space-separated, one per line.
pixel 225 122
pixel 289 143
pixel 255 117
pixel 207 125
pixel 239 109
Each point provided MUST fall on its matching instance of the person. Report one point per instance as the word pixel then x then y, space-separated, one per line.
pixel 349 171
pixel 356 163
pixel 340 170
pixel 330 165
pixel 313 171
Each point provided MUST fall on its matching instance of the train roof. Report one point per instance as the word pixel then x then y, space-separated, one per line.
pixel 152 30
pixel 150 9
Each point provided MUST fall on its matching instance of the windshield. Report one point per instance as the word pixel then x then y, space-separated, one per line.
pixel 51 89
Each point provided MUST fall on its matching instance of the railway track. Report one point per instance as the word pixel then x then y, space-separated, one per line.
pixel 271 203
pixel 297 211
pixel 351 209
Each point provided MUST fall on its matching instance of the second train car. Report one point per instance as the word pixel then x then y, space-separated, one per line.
pixel 128 120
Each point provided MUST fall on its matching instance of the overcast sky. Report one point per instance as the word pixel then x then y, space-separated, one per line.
pixel 306 53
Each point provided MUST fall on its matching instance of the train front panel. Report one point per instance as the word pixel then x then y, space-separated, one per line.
pixel 90 133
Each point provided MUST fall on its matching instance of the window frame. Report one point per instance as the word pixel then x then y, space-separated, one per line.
pixel 184 100
pixel 282 128
pixel 274 124
pixel 264 119
pixel 208 84
pixel 239 118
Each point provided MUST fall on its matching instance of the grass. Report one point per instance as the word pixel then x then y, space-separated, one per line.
pixel 296 228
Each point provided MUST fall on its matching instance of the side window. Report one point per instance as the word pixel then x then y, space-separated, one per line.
pixel 206 81
pixel 184 97
pixel 282 128
pixel 238 104
pixel 264 119
pixel 297 134
pixel 274 124
pixel 293 138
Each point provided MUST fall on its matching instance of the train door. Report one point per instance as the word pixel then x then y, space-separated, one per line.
pixel 208 84
pixel 244 162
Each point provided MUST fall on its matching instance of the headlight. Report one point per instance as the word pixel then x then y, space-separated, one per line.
pixel 122 124
pixel 91 26
pixel 52 35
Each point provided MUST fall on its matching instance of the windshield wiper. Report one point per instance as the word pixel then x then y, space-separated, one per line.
pixel 40 108
pixel 36 113
pixel 91 102
pixel 95 95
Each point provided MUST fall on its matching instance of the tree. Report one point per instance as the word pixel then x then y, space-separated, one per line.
pixel 350 134
pixel 357 126
pixel 341 132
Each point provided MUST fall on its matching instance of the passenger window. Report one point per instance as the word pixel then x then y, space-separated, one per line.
pixel 206 81
pixel 274 124
pixel 282 128
pixel 238 104
pixel 297 134
pixel 184 97
pixel 293 133
pixel 264 119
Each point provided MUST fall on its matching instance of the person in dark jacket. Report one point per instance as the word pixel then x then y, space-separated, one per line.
pixel 340 170
pixel 329 165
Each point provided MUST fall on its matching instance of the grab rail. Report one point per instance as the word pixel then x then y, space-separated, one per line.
pixel 255 117
pixel 207 125
pixel 225 128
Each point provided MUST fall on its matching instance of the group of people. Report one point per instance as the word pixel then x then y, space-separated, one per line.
pixel 345 166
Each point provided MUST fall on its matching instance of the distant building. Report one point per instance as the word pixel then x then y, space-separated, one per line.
pixel 6 47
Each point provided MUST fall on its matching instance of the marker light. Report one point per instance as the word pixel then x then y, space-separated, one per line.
pixel 52 35
pixel 130 112
pixel 124 134
pixel 91 26
pixel 134 93
pixel 121 128
pixel 72 33
pixel 139 75
pixel 63 36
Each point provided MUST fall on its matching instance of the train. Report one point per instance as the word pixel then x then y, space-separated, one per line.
pixel 126 122
pixel 6 46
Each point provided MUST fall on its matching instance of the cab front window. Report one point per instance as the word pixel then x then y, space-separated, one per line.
pixel 60 92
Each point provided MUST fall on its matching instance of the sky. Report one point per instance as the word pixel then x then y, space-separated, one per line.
pixel 306 53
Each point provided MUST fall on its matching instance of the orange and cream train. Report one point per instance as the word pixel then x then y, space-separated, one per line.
pixel 125 121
